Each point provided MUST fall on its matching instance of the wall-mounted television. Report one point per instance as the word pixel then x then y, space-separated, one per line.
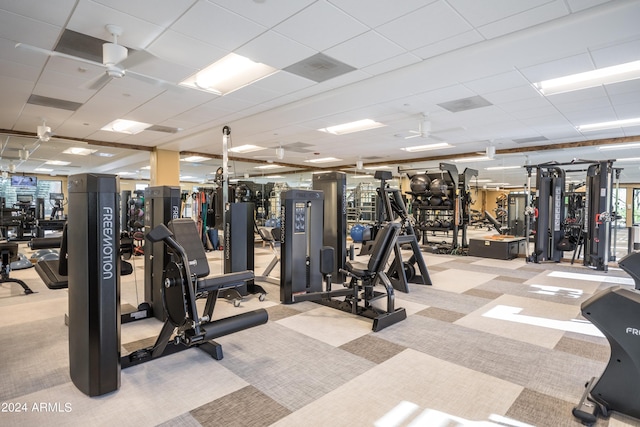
pixel 24 181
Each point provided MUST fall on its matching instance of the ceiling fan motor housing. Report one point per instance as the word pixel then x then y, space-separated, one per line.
pixel 113 54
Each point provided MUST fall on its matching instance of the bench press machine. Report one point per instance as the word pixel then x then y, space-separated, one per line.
pixel 186 278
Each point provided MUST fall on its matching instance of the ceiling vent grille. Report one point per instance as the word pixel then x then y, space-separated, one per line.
pixel 319 68
pixel 53 103
pixel 465 104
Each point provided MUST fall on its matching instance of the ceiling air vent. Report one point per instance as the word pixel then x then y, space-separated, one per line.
pixel 53 103
pixel 530 139
pixel 319 68
pixel 165 129
pixel 465 104
pixel 298 147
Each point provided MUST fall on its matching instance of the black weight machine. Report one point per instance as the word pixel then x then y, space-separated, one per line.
pixel 305 264
pixel 616 313
pixel 186 278
pixel 390 207
pixel 8 254
pixel 94 291
pixel 557 219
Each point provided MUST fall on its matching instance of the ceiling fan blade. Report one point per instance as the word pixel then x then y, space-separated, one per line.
pixel 136 58
pixel 55 53
pixel 413 136
pixel 155 81
pixel 98 83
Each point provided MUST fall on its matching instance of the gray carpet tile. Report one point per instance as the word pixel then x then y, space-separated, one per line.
pixel 477 292
pixel 281 311
pixel 243 408
pixel 511 279
pixel 372 348
pixel 542 411
pixel 441 314
pixel 430 296
pixel 291 368
pixel 552 372
pixel 525 290
pixel 584 348
pixel 33 356
pixel 184 420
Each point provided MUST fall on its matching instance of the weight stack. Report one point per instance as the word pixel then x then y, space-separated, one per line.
pixel 93 245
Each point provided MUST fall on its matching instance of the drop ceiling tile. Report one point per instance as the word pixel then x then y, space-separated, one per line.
pixel 364 50
pixel 538 15
pixel 511 94
pixel 561 67
pixel 320 26
pixel 160 12
pixel 458 41
pixel 424 26
pixel 377 12
pixel 488 11
pixel 263 12
pixel 19 71
pixel 578 5
pixel 91 18
pixel 18 28
pixel 187 51
pixel 399 61
pixel 616 54
pixel 276 50
pixel 55 13
pixel 213 24
pixel 283 83
pixel 501 81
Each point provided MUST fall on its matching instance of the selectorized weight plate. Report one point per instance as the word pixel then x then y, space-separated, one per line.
pixel 173 295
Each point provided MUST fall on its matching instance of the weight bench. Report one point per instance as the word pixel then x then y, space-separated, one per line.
pixel 185 280
pixel 8 254
pixel 359 293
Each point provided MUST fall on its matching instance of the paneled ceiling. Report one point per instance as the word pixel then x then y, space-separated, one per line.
pixel 467 65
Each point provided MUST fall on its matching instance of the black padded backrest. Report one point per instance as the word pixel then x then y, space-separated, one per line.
pixel 11 248
pixel 185 232
pixel 383 245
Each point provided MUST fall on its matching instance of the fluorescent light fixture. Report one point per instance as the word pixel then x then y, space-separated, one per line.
pixel 375 168
pixel 228 74
pixel 194 159
pixel 129 127
pixel 472 159
pixel 146 168
pixel 609 125
pixel 602 76
pixel 269 166
pixel 103 154
pixel 247 148
pixel 274 176
pixel 499 168
pixel 187 177
pixel 620 146
pixel 362 176
pixel 125 173
pixel 43 170
pixel 426 147
pixel 323 160
pixel 629 159
pixel 57 163
pixel 351 127
pixel 79 151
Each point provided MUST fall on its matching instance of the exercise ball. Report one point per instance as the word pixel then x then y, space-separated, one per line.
pixel 357 232
pixel 420 184
pixel 435 201
pixel 439 187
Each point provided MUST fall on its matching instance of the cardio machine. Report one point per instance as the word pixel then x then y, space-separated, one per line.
pixel 616 313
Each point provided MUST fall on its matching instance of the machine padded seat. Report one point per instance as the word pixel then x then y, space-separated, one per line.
pixel 185 232
pixel 379 254
pixel 48 272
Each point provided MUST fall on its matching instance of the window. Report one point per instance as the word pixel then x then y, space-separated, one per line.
pixel 636 206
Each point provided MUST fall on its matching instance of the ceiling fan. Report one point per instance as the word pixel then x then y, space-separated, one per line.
pixel 424 129
pixel 115 60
